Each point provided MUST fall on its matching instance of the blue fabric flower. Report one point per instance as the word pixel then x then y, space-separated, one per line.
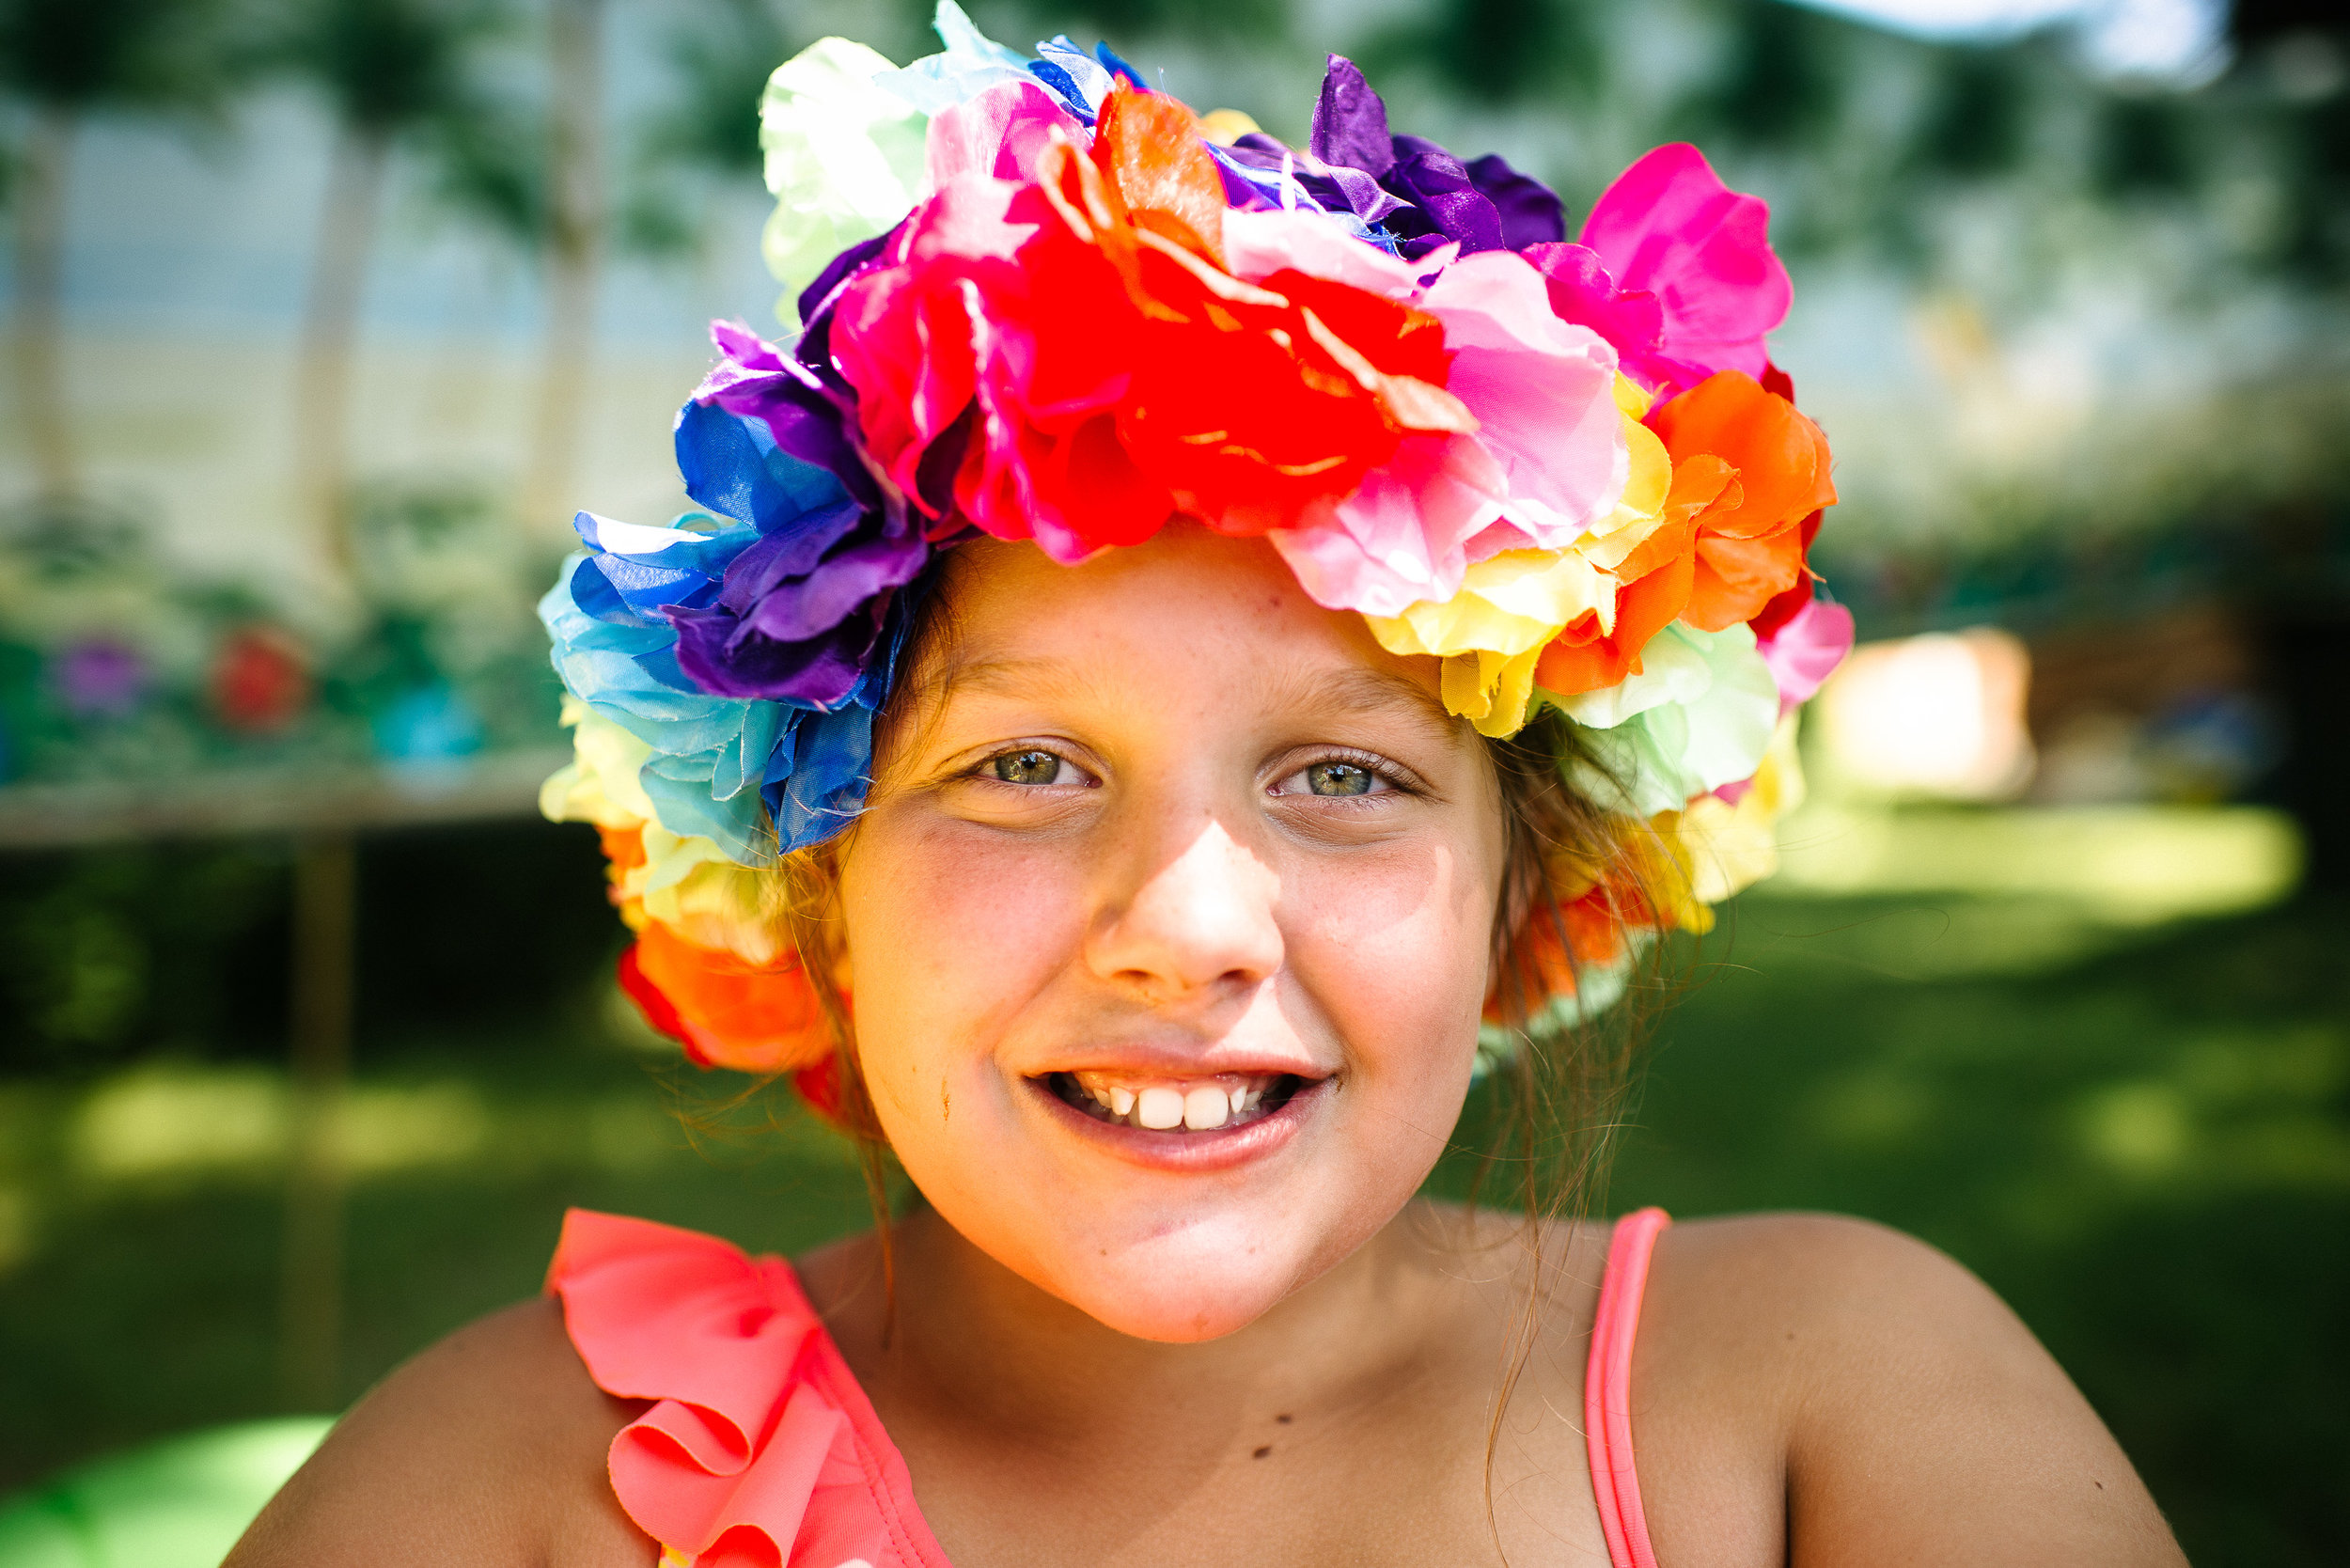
pixel 749 649
pixel 799 608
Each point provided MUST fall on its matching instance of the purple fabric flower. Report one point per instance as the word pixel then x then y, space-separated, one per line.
pixel 100 678
pixel 1421 194
pixel 800 609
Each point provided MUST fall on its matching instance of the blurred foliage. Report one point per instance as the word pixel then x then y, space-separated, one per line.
pixel 1782 80
pixel 385 67
pixel 99 55
pixel 1495 51
pixel 1973 126
pixel 704 139
pixel 723 52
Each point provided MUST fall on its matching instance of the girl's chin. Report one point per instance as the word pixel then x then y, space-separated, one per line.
pixel 1197 1283
pixel 1190 1313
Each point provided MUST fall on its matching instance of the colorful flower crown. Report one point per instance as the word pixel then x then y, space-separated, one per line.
pixel 1044 301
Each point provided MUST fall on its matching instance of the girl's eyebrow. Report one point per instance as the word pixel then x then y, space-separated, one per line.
pixel 1363 688
pixel 1354 689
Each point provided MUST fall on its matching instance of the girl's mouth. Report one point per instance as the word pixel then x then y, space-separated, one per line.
pixel 1217 1102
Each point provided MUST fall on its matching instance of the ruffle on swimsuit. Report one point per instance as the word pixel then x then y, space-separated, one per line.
pixel 763 1451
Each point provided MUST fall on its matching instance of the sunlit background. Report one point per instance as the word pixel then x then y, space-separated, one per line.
pixel 324 314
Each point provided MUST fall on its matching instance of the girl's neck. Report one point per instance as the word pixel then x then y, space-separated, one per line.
pixel 976 1345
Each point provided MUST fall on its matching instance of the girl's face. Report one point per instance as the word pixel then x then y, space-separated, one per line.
pixel 1169 927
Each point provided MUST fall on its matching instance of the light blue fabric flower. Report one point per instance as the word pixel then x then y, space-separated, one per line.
pixel 969 65
pixel 712 755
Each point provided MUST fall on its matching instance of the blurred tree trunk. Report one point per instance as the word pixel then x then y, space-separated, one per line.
pixel 40 390
pixel 2308 656
pixel 575 217
pixel 322 415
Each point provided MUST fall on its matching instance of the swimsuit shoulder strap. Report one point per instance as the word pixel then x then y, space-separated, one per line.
pixel 760 1446
pixel 1608 1389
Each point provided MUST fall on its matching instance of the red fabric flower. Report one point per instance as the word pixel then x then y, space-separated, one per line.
pixel 260 682
pixel 1081 338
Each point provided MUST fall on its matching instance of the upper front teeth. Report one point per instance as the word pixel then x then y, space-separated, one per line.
pixel 1200 1105
pixel 1160 1107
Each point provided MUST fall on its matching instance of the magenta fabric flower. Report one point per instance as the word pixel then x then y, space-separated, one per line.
pixel 1676 270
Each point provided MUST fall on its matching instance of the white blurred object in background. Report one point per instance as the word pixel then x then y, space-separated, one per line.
pixel 1940 716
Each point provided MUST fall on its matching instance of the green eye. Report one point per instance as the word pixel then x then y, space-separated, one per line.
pixel 1026 767
pixel 1338 778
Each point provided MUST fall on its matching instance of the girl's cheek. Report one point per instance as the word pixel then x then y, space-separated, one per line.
pixel 947 930
pixel 1399 938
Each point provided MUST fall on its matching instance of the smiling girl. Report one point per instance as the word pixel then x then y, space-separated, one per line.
pixel 1197 651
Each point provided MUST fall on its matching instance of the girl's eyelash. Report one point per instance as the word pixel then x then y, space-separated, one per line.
pixel 1398 776
pixel 978 769
pixel 1394 774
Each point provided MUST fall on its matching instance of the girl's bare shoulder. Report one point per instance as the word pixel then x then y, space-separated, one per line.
pixel 488 1448
pixel 1820 1390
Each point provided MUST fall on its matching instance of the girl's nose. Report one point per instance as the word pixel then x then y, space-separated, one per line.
pixel 1197 923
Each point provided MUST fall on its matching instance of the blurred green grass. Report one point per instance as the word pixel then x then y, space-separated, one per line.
pixel 2139 1136
pixel 2138 1133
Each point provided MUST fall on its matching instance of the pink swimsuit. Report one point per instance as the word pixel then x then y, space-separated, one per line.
pixel 761 1450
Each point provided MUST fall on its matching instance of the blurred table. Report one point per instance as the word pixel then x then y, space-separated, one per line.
pixel 276 800
pixel 323 812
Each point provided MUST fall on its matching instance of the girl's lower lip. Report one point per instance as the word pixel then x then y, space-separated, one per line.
pixel 1186 1152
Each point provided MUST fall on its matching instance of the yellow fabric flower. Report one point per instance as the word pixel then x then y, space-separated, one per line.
pixel 1717 849
pixel 1510 605
pixel 1490 633
pixel 601 784
pixel 690 885
pixel 685 881
pixel 1648 482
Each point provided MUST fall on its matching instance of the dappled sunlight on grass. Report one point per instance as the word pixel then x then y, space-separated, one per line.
pixel 140 1213
pixel 2120 865
pixel 2137 1131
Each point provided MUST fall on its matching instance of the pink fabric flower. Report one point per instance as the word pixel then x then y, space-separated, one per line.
pixel 1548 457
pixel 1674 269
pixel 1403 535
pixel 1804 650
pixel 1001 134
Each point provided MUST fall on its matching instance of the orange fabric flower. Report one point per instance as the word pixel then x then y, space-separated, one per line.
pixel 1750 541
pixel 624 847
pixel 1750 475
pixel 723 1010
pixel 1588 931
pixel 1657 576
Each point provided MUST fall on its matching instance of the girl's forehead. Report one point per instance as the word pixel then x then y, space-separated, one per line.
pixel 1185 608
pixel 1184 568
